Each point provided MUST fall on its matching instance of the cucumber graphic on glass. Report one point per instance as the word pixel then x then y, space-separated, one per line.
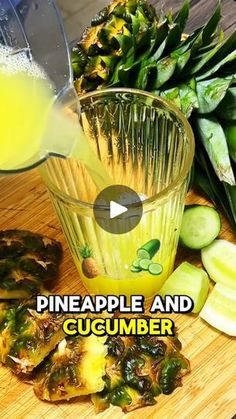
pixel 144 262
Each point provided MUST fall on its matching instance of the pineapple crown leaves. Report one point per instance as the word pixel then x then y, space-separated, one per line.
pixel 150 52
pixel 85 251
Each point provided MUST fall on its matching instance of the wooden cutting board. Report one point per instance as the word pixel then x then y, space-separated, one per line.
pixel 209 392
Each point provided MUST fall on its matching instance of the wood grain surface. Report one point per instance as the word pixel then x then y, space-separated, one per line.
pixel 77 13
pixel 209 392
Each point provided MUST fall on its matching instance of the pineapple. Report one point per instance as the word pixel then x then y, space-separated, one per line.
pixel 108 40
pixel 74 369
pixel 27 337
pixel 7 326
pixel 138 369
pixel 129 44
pixel 27 262
pixel 89 264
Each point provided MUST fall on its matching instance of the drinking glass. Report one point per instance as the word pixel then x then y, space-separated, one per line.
pixel 145 143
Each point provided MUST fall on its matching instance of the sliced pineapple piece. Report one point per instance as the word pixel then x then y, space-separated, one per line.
pixel 7 326
pixel 27 262
pixel 32 337
pixel 75 368
pixel 138 369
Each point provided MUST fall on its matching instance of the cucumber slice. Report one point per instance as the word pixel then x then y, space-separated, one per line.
pixel 135 270
pixel 155 268
pixel 136 263
pixel 188 280
pixel 219 260
pixel 144 264
pixel 220 309
pixel 200 226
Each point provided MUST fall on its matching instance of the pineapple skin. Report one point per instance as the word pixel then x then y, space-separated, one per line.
pixel 27 262
pixel 27 336
pixel 7 326
pixel 75 368
pixel 138 369
pixel 107 40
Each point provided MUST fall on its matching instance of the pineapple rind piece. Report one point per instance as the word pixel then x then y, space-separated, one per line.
pixel 7 324
pixel 138 369
pixel 30 337
pixel 75 368
pixel 27 261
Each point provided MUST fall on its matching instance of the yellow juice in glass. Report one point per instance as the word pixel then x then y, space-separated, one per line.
pixel 141 142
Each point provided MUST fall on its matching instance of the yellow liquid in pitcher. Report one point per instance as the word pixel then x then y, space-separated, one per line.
pixel 25 114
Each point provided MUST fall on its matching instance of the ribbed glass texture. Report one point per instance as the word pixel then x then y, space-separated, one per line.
pixel 146 144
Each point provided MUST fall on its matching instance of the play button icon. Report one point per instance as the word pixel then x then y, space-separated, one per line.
pixel 118 209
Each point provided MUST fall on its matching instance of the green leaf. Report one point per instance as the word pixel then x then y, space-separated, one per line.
pixel 229 58
pixel 203 59
pixel 217 54
pixel 172 95
pixel 125 42
pixel 231 194
pixel 165 70
pixel 142 79
pixel 201 181
pixel 174 37
pixel 211 26
pixel 188 43
pixel 182 60
pixel 211 135
pixel 227 108
pixel 188 98
pixel 182 16
pixel 206 34
pixel 162 30
pixel 206 179
pixel 211 92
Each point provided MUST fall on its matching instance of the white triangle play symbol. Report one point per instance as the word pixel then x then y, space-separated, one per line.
pixel 116 209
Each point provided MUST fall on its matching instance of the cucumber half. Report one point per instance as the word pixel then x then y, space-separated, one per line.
pixel 200 226
pixel 220 309
pixel 219 260
pixel 188 280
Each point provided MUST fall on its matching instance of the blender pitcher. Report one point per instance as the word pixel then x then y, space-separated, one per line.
pixel 32 31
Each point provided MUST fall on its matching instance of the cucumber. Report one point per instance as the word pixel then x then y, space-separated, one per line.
pixel 220 309
pixel 136 263
pixel 188 280
pixel 155 269
pixel 200 226
pixel 144 264
pixel 230 133
pixel 219 260
pixel 148 250
pixel 134 269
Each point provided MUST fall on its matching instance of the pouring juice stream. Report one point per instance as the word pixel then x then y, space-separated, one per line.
pixel 32 127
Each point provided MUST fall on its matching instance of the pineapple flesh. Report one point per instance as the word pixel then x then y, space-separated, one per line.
pixel 28 261
pixel 75 368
